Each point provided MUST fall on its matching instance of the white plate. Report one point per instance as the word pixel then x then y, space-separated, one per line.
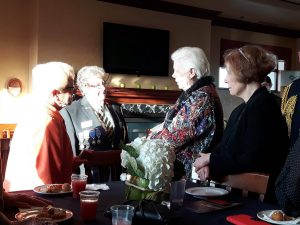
pixel 32 213
pixel 43 190
pixel 266 216
pixel 206 191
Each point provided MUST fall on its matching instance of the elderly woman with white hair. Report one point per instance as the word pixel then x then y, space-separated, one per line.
pixel 91 123
pixel 195 123
pixel 40 151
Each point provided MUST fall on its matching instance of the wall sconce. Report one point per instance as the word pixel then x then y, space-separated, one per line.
pixel 14 87
pixel 122 85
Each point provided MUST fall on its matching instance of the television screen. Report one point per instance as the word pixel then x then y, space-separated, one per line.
pixel 135 50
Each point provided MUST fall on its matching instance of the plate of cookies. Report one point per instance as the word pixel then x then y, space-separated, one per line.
pixel 277 217
pixel 48 213
pixel 53 189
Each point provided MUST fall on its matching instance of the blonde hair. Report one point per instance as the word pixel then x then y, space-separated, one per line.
pixel 51 76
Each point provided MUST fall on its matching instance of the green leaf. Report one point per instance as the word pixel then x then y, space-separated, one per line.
pixel 142 182
pixel 132 193
pixel 131 150
pixel 131 171
pixel 141 167
pixel 134 170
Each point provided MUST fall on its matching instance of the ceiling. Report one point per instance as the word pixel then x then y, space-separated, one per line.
pixel 279 17
pixel 276 13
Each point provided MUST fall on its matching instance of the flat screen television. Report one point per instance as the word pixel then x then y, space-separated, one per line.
pixel 135 50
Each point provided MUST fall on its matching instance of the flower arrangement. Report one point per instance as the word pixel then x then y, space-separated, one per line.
pixel 149 159
pixel 150 164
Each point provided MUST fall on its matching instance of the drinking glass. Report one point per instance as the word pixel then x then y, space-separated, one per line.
pixel 78 184
pixel 177 193
pixel 122 214
pixel 88 204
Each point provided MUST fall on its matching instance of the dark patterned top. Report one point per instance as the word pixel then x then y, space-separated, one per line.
pixel 194 124
pixel 290 108
pixel 287 183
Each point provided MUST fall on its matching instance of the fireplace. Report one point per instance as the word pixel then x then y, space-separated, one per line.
pixel 140 117
pixel 142 108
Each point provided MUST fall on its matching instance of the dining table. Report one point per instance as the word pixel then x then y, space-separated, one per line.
pixel 184 215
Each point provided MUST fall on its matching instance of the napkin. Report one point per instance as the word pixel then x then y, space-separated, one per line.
pixel 95 187
pixel 243 219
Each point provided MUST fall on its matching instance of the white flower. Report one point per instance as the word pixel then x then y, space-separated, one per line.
pixel 123 176
pixel 155 159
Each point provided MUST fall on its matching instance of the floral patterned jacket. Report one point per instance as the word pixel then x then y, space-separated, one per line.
pixel 194 124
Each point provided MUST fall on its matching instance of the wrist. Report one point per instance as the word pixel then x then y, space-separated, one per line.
pixel 208 158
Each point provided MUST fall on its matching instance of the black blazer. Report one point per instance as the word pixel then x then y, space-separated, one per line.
pixel 255 139
pixel 80 111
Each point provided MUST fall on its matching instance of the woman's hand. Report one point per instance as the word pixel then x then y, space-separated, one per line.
pixel 202 161
pixel 201 166
pixel 86 154
pixel 81 158
pixel 23 201
pixel 203 173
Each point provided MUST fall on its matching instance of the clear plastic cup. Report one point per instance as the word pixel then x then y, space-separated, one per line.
pixel 88 204
pixel 177 193
pixel 78 184
pixel 122 214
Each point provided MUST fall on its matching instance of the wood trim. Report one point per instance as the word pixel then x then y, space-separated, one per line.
pixel 253 182
pixel 4 152
pixel 196 12
pixel 281 52
pixel 168 7
pixel 7 128
pixel 141 96
pixel 247 182
pixel 255 27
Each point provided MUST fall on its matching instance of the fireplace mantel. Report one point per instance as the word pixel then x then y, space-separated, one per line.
pixel 141 96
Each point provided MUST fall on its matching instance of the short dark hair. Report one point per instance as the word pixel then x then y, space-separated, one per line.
pixel 250 63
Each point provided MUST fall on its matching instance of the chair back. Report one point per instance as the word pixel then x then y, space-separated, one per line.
pixel 247 182
pixel 4 151
pixel 110 159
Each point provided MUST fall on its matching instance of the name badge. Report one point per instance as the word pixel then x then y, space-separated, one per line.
pixel 86 124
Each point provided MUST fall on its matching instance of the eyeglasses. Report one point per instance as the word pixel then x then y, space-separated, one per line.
pixel 69 89
pixel 98 86
pixel 243 54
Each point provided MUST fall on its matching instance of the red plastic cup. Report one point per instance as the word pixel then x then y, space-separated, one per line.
pixel 78 184
pixel 88 204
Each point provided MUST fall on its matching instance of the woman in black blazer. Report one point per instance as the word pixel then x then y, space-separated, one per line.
pixel 92 123
pixel 256 137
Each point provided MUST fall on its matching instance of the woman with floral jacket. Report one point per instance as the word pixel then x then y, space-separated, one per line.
pixel 195 123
